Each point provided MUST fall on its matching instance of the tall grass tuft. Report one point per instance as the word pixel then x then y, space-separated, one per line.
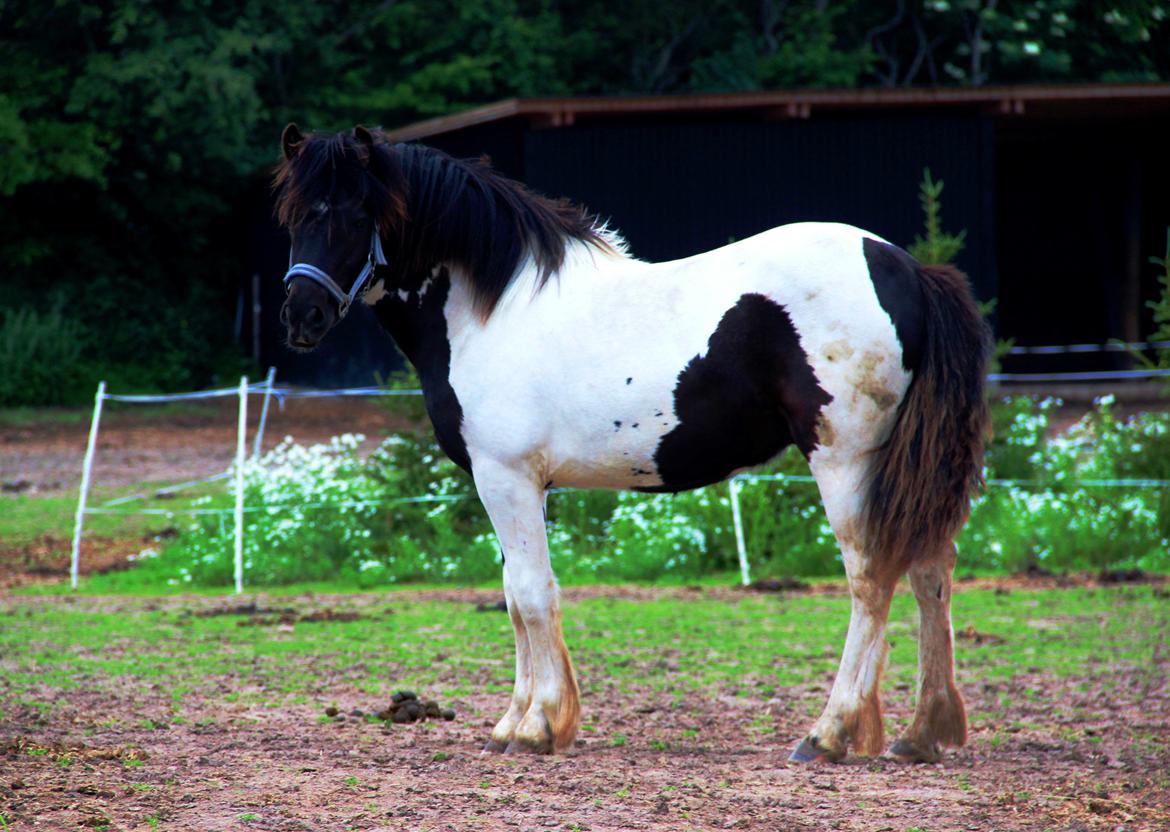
pixel 42 357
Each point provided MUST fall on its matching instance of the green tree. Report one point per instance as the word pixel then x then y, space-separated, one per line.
pixel 135 137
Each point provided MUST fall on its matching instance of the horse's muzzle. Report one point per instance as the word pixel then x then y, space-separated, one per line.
pixel 306 322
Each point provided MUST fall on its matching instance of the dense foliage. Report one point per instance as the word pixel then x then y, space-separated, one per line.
pixel 134 137
pixel 322 513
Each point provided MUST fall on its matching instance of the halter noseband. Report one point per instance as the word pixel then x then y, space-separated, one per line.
pixel 376 258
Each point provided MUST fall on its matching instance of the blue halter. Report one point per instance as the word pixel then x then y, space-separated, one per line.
pixel 344 299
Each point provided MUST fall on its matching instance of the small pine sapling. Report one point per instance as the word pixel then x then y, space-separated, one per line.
pixel 1161 306
pixel 937 248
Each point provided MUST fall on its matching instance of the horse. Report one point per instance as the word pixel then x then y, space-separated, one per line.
pixel 549 357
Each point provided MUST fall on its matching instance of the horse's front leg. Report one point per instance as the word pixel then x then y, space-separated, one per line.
pixel 545 710
pixel 505 729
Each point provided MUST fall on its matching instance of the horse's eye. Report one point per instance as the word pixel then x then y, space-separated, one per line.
pixel 360 223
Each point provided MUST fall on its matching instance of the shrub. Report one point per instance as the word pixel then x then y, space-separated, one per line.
pixel 406 513
pixel 41 358
pixel 306 520
pixel 1050 513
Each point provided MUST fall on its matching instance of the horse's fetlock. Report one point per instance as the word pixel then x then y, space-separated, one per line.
pixel 864 727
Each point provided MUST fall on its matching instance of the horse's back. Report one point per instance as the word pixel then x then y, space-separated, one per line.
pixel 674 375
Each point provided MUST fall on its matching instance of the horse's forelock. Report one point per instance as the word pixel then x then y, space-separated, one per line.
pixel 311 176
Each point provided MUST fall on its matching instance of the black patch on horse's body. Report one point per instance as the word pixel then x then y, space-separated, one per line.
pixel 752 394
pixel 899 290
pixel 420 330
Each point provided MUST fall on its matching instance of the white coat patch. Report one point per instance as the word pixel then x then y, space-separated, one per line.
pixel 375 293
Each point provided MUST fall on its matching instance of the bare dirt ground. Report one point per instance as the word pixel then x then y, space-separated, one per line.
pixel 136 445
pixel 111 756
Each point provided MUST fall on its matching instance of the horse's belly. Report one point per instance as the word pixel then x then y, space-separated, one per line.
pixel 725 412
pixel 612 445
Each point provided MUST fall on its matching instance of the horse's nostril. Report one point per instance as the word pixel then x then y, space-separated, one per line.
pixel 316 315
pixel 284 314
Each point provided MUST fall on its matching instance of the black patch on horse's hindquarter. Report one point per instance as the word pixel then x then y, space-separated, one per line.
pixel 419 327
pixel 899 290
pixel 753 393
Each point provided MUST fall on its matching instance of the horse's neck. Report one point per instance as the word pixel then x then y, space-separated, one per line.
pixel 415 319
pixel 440 311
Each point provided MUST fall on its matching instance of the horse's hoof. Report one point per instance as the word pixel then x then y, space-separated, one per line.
pixel 522 746
pixel 495 747
pixel 811 751
pixel 912 752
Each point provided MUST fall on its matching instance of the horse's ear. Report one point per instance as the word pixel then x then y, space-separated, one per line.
pixel 290 139
pixel 363 135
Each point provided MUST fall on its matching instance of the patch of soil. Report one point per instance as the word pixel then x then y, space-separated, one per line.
pixel 259 615
pixel 1084 753
pixel 46 559
pixel 1124 576
pixel 705 762
pixel 969 633
pixel 776 585
pixel 135 446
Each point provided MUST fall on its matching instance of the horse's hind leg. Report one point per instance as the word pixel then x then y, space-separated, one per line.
pixel 853 714
pixel 939 717
pixel 545 710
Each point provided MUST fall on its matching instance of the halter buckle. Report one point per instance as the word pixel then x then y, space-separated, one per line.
pixel 375 258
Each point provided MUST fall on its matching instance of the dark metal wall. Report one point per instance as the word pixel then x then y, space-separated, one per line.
pixel 1083 206
pixel 679 189
pixel 1057 215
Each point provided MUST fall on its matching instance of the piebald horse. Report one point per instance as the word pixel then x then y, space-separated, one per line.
pixel 549 357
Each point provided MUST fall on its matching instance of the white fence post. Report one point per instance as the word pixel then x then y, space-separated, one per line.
pixel 83 492
pixel 737 521
pixel 241 449
pixel 258 443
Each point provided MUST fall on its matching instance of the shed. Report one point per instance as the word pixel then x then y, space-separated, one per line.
pixel 1062 190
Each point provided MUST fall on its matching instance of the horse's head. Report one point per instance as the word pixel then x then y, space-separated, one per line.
pixel 337 195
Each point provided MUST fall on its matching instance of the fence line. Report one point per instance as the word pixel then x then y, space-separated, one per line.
pixel 269 391
pixel 271 509
pixel 1111 346
pixel 1094 483
pixel 170 489
pixel 1090 375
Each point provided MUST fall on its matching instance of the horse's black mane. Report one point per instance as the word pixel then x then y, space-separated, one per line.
pixel 431 208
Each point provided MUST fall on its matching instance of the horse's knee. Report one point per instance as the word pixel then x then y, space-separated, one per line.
pixel 533 596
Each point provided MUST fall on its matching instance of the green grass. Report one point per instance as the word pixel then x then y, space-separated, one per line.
pixel 24 519
pixel 143 583
pixel 744 647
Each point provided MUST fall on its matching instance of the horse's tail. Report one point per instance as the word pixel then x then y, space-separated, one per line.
pixel 925 474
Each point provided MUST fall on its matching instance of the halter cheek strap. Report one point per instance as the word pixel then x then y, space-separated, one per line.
pixel 376 258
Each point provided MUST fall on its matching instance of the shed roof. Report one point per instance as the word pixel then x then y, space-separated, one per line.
pixel 1025 101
